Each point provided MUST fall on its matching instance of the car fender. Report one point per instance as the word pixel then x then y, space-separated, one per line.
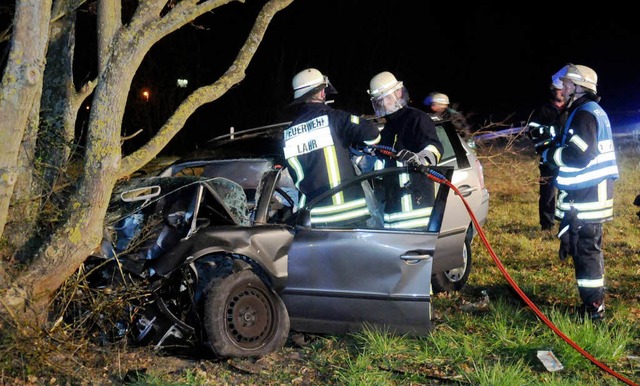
pixel 266 245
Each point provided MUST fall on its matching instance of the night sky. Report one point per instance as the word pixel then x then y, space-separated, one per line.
pixel 495 62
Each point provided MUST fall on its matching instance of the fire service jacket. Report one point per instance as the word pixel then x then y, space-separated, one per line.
pixel 316 147
pixel 586 163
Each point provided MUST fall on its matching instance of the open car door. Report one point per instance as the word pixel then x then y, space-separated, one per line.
pixel 342 277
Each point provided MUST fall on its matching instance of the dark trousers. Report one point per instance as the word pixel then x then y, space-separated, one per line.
pixel 547 199
pixel 589 264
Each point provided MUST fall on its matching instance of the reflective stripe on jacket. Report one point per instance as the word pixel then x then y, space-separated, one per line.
pixel 602 167
pixel 316 147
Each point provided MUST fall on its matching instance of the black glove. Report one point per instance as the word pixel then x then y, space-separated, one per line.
pixel 568 234
pixel 410 158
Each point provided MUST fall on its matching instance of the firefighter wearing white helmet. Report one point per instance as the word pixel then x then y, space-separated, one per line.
pixel 316 147
pixel 587 168
pixel 412 134
pixel 438 104
pixel 439 110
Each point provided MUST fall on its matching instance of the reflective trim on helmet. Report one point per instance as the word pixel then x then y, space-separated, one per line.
pixel 312 83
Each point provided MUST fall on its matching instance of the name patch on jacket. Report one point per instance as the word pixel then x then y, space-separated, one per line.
pixel 306 137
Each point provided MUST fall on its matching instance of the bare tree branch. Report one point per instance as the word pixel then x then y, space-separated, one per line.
pixel 234 75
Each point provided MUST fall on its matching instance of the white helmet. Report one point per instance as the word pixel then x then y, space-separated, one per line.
pixel 437 97
pixel 384 85
pixel 308 82
pixel 582 75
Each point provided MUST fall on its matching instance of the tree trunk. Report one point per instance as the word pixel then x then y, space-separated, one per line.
pixel 21 83
pixel 125 47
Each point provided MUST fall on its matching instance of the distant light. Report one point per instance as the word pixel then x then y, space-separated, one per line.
pixel 145 95
pixel 182 83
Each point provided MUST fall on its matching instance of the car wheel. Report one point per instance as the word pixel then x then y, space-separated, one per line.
pixel 455 279
pixel 243 317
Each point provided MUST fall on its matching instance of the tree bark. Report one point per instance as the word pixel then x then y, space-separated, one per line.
pixel 21 83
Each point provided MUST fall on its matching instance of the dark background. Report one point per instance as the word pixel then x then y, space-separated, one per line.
pixel 494 62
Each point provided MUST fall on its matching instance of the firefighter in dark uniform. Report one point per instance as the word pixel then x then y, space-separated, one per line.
pixel 316 147
pixel 587 168
pixel 545 122
pixel 412 134
pixel 439 110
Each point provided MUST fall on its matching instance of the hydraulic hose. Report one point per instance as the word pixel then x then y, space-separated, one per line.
pixel 437 177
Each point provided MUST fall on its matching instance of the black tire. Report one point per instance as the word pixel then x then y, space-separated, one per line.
pixel 243 317
pixel 455 279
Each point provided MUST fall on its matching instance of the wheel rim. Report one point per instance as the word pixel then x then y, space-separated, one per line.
pixel 250 317
pixel 456 274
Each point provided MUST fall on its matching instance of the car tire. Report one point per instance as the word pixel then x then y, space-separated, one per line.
pixel 455 279
pixel 243 317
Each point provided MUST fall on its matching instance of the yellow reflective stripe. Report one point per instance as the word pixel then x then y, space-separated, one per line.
pixel 590 283
pixel 373 141
pixel 359 203
pixel 579 142
pixel 405 200
pixel 295 164
pixel 333 172
pixel 422 212
pixel 355 119
pixel 435 152
pixel 340 216
pixel 415 223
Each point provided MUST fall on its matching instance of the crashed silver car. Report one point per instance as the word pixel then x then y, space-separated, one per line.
pixel 236 156
pixel 232 264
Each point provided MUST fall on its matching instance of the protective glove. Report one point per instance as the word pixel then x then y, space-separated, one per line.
pixel 568 234
pixel 410 158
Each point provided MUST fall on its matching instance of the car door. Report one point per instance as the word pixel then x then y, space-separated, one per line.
pixel 457 219
pixel 341 278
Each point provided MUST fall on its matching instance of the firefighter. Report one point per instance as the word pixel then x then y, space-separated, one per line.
pixel 412 134
pixel 587 168
pixel 439 110
pixel 545 122
pixel 316 147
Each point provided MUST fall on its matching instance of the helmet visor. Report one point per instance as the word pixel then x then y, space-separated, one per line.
pixel 390 102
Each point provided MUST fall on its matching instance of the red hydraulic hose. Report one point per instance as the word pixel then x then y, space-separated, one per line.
pixel 441 180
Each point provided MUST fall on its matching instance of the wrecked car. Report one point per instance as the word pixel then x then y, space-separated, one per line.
pixel 234 265
pixel 236 156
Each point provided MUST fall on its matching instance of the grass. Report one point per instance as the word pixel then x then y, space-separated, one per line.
pixel 495 346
